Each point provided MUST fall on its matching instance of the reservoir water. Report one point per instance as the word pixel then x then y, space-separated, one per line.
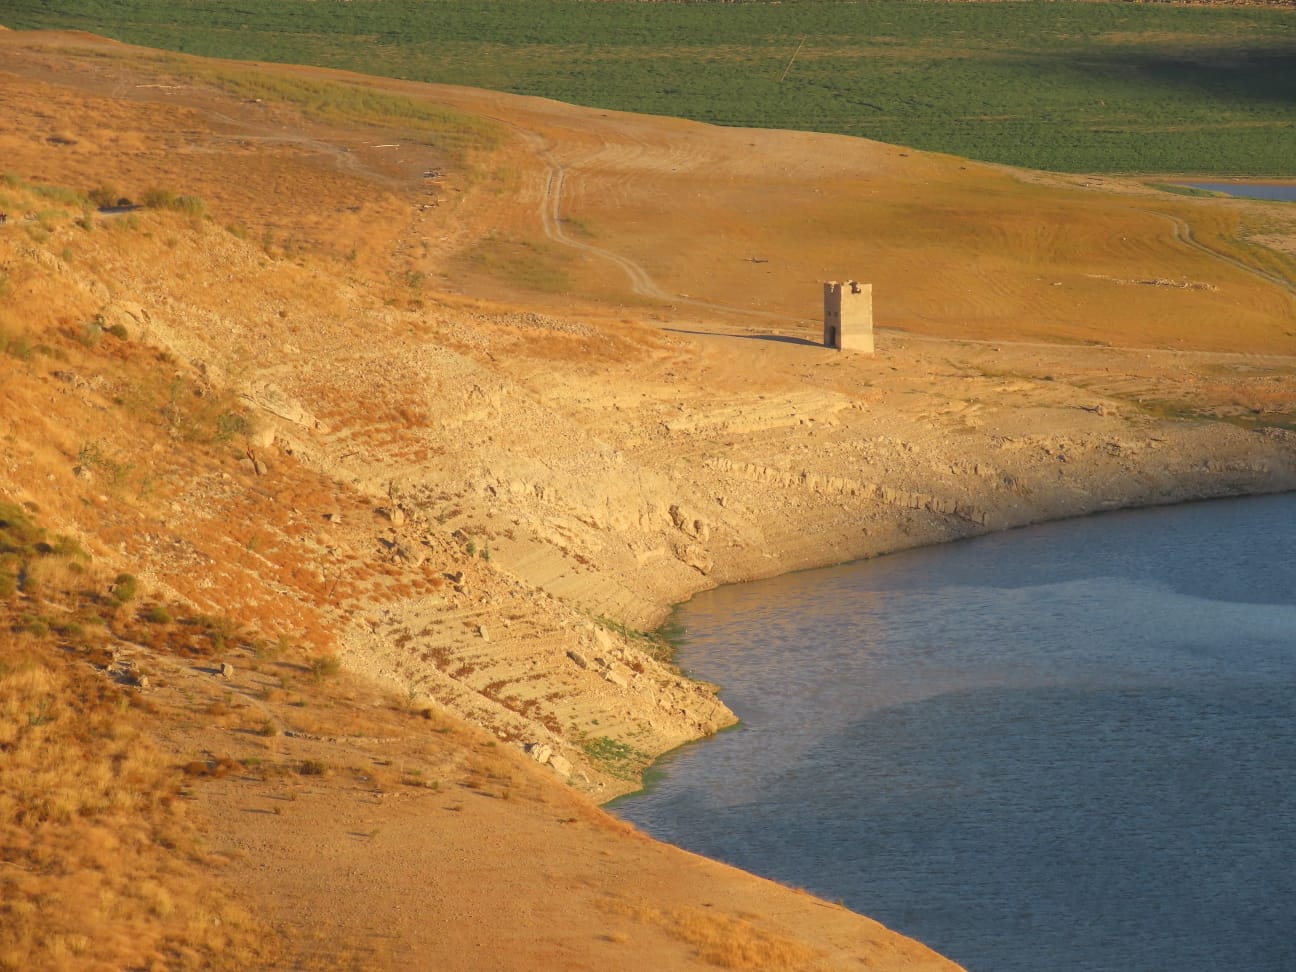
pixel 1070 747
pixel 1281 191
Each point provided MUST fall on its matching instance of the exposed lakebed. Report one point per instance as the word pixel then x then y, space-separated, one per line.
pixel 1068 747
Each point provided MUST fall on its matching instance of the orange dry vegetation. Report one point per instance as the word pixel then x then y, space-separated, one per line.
pixel 729 941
pixel 103 866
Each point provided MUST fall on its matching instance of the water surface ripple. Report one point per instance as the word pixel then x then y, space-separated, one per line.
pixel 1069 747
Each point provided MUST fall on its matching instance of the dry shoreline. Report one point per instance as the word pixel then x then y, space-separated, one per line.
pixel 1282 486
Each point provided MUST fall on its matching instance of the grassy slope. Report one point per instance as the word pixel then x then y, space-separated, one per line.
pixel 1110 87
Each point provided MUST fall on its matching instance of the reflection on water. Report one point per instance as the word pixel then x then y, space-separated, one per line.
pixel 1069 747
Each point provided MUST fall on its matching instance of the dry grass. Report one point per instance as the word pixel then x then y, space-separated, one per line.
pixel 102 868
pixel 727 941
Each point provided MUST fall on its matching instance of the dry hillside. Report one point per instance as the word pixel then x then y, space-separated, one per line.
pixel 356 432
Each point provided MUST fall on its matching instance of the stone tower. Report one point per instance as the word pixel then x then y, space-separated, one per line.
pixel 848 316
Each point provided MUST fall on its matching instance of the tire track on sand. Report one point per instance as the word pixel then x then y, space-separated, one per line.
pixel 641 282
pixel 1183 234
pixel 551 219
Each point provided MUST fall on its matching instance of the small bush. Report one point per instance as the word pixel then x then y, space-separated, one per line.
pixel 220 631
pixel 17 347
pixel 90 333
pixel 325 666
pixel 231 424
pixel 157 614
pixel 193 205
pixel 166 199
pixel 119 332
pixel 124 588
pixel 104 197
pixel 35 625
pixel 67 547
pixel 62 194
pixel 156 198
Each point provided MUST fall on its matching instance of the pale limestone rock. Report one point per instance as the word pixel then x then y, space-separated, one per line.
pixel 561 765
pixel 697 557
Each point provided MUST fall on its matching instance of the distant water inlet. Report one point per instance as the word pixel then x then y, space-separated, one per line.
pixel 1280 191
pixel 1071 747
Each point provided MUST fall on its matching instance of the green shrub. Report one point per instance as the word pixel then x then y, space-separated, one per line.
pixel 193 205
pixel 220 632
pixel 68 547
pixel 17 531
pixel 90 333
pixel 124 588
pixel 325 666
pixel 231 424
pixel 62 194
pixel 104 197
pixel 156 198
pixel 19 347
pixel 35 625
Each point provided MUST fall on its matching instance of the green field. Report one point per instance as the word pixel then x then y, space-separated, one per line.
pixel 1068 86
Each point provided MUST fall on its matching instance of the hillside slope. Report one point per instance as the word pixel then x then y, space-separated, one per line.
pixel 462 391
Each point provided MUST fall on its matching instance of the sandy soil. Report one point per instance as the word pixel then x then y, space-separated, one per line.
pixel 512 404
